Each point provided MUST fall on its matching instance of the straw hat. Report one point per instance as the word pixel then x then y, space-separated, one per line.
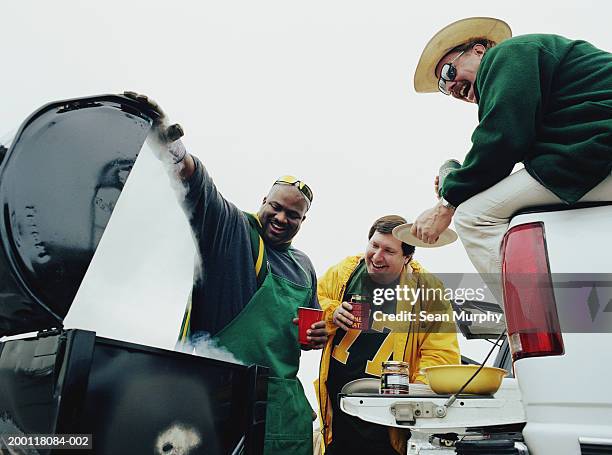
pixel 451 36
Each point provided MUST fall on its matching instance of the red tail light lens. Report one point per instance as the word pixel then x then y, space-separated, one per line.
pixel 529 299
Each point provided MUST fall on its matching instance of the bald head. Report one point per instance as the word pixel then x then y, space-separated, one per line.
pixel 281 214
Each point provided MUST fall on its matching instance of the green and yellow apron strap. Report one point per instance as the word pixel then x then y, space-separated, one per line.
pixel 257 248
pixel 185 332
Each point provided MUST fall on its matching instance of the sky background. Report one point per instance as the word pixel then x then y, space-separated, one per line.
pixel 320 89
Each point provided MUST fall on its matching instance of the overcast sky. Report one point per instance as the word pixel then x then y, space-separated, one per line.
pixel 319 89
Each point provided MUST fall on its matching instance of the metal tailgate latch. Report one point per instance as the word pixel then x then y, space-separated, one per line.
pixel 407 413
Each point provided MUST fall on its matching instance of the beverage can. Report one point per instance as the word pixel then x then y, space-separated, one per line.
pixel 361 312
pixel 447 167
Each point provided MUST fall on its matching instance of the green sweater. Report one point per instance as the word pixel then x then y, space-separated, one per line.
pixel 545 101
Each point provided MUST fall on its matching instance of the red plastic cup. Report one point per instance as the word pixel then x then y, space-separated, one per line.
pixel 307 317
pixel 361 311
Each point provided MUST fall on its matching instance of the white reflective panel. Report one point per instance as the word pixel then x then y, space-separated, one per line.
pixel 140 277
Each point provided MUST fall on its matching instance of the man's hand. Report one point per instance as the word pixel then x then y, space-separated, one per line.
pixel 166 133
pixel 431 223
pixel 164 140
pixel 437 186
pixel 316 335
pixel 144 99
pixel 343 317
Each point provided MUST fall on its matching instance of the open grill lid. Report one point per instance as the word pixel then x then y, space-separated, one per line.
pixel 59 183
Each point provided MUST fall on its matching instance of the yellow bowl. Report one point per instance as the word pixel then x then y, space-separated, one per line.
pixel 448 379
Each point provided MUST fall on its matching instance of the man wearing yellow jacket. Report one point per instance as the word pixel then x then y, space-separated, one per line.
pixel 386 269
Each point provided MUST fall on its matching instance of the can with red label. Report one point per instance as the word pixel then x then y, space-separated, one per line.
pixel 361 311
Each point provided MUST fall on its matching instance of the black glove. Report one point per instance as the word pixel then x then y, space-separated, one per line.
pixel 167 133
pixel 165 140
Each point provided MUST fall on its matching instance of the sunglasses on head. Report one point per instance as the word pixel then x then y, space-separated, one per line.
pixel 448 73
pixel 299 184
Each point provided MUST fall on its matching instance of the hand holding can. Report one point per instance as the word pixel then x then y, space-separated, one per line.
pixel 361 311
pixel 447 167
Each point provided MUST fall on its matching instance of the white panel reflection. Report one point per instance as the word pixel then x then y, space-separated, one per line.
pixel 140 277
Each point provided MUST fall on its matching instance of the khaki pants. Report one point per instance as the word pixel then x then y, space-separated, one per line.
pixel 482 220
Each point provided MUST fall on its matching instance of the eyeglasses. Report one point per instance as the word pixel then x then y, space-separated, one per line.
pixel 448 73
pixel 299 184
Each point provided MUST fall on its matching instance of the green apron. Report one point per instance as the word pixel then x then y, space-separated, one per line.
pixel 263 333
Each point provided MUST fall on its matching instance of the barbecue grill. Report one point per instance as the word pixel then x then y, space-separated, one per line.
pixel 59 182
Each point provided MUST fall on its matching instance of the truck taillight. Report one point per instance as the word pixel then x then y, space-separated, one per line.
pixel 529 299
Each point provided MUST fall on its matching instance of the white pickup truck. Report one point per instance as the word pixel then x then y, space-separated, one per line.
pixel 558 308
pixel 564 368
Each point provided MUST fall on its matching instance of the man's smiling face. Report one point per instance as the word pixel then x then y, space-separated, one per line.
pixel 466 65
pixel 384 258
pixel 281 214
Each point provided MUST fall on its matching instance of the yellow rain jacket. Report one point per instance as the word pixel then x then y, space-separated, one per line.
pixel 429 346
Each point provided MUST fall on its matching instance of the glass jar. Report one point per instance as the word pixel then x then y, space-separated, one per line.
pixel 394 378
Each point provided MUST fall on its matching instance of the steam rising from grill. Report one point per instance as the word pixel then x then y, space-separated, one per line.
pixel 168 153
pixel 205 346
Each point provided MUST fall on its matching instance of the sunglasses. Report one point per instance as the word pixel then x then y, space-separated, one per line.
pixel 299 184
pixel 448 73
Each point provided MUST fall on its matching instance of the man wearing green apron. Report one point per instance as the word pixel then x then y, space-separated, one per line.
pixel 249 283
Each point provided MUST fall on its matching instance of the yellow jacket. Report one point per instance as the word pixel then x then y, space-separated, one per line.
pixel 429 346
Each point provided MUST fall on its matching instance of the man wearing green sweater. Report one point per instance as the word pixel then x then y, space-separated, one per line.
pixel 544 101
